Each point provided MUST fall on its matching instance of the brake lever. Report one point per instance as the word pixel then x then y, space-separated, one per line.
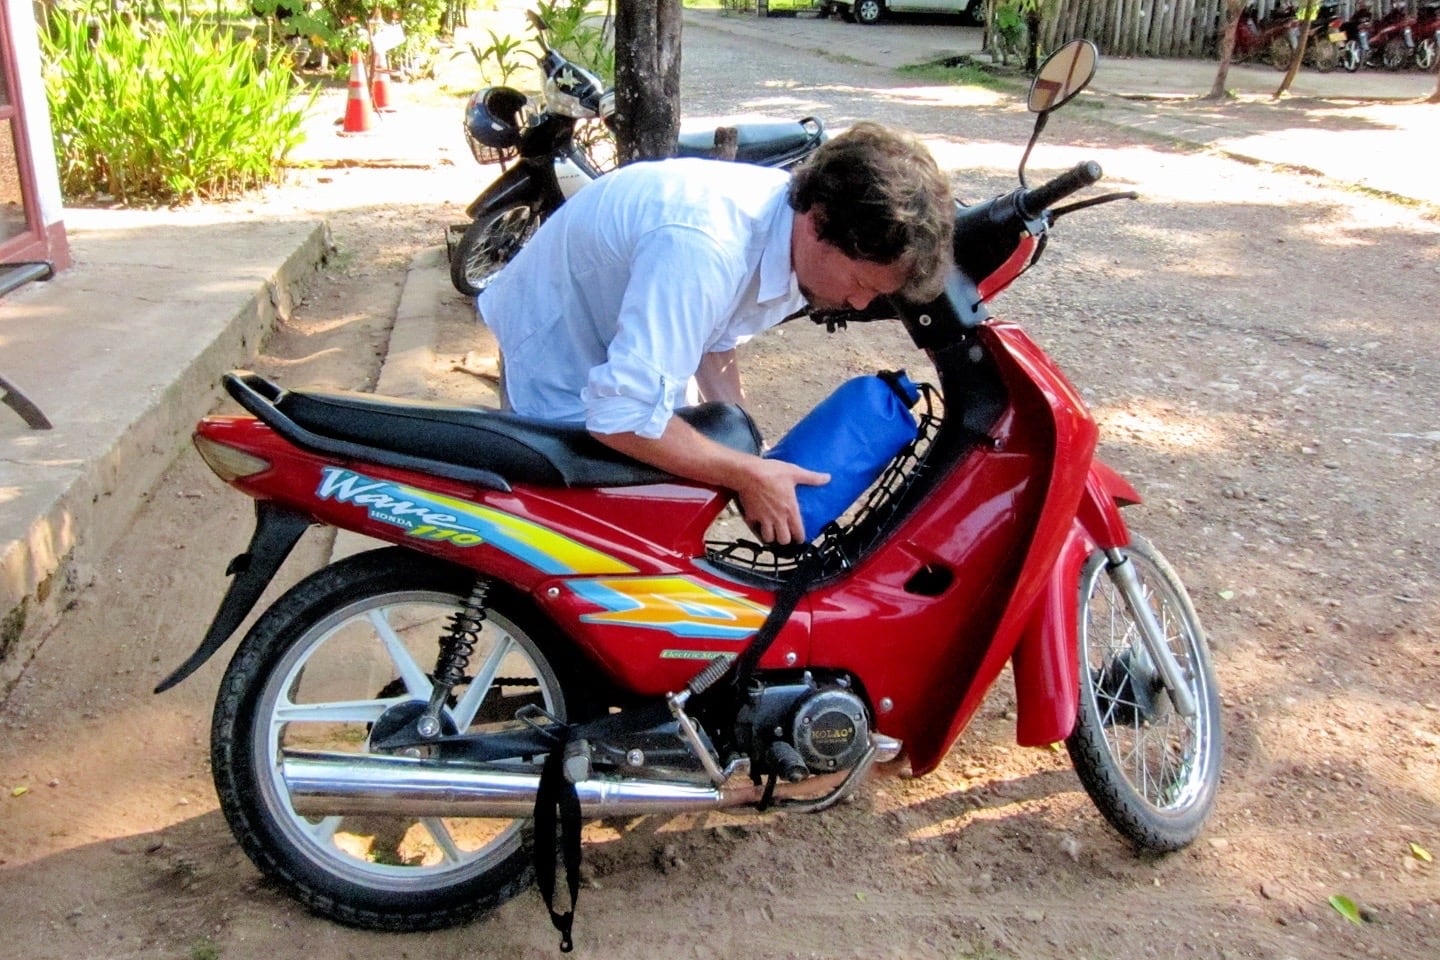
pixel 1058 212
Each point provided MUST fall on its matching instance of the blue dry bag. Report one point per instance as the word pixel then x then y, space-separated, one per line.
pixel 851 435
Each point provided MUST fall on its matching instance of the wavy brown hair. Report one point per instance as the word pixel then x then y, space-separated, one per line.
pixel 879 196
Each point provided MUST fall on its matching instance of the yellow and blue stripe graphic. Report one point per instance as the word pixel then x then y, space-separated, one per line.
pixel 431 516
pixel 678 605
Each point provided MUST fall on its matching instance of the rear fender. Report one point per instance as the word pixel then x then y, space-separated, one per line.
pixel 1046 660
pixel 276 531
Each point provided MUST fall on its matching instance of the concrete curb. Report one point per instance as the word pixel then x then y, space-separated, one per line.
pixel 72 493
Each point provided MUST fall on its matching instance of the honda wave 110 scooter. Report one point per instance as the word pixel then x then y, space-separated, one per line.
pixel 550 636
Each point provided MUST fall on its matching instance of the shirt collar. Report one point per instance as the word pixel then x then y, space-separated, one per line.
pixel 777 279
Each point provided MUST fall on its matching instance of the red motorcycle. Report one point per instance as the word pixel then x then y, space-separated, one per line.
pixel 552 637
pixel 1388 42
pixel 1265 40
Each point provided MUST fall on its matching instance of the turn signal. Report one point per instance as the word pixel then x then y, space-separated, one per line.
pixel 228 463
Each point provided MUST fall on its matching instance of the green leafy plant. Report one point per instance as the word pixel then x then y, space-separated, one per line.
pixel 1009 29
pixel 499 56
pixel 573 31
pixel 577 34
pixel 165 110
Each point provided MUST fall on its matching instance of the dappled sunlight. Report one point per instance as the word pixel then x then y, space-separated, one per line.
pixel 1160 426
pixel 953 95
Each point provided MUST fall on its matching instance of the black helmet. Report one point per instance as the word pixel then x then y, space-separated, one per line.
pixel 492 118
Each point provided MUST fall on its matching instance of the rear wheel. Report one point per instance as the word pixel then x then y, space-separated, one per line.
pixel 345 653
pixel 490 242
pixel 1151 772
pixel 1280 53
pixel 869 11
pixel 1324 54
pixel 1395 54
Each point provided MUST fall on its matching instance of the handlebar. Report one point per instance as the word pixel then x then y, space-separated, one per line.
pixel 1033 203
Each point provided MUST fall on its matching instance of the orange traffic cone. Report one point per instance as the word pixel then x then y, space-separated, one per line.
pixel 380 86
pixel 359 113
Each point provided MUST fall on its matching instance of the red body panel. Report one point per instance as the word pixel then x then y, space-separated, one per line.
pixel 997 543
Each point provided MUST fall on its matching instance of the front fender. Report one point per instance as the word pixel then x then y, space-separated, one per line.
pixel 1046 660
pixel 530 182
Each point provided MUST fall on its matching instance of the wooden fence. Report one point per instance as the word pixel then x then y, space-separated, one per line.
pixel 1154 28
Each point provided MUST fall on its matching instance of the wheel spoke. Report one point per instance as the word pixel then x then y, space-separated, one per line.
pixel 441 835
pixel 469 705
pixel 344 711
pixel 417 683
pixel 324 831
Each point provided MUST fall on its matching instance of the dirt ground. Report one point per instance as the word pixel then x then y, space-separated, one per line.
pixel 1263 356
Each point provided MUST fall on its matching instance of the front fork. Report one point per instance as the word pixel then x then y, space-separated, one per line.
pixel 1152 635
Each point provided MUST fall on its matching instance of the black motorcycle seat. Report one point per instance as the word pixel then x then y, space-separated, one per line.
pixel 759 142
pixel 520 449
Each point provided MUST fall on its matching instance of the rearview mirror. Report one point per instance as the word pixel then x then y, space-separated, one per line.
pixel 1064 73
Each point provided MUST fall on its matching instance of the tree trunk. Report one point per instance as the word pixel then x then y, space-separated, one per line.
pixel 1032 41
pixel 647 79
pixel 1299 54
pixel 1227 48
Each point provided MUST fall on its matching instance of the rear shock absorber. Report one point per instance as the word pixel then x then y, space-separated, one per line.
pixel 458 642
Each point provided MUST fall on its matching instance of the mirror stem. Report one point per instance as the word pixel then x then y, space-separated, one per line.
pixel 1034 135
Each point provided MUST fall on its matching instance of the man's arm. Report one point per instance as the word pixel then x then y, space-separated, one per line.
pixel 766 487
pixel 719 377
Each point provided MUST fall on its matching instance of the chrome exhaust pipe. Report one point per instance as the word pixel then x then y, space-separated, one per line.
pixel 346 784
pixel 365 784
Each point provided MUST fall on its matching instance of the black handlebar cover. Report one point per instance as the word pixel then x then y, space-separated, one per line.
pixel 1032 203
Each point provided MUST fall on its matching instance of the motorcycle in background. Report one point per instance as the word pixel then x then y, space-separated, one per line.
pixel 551 163
pixel 551 634
pixel 1266 40
pixel 1388 42
pixel 1322 48
pixel 1427 37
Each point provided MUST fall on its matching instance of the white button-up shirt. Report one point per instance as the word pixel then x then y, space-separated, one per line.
pixel 605 314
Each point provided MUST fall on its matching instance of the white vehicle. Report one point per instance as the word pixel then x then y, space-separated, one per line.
pixel 873 11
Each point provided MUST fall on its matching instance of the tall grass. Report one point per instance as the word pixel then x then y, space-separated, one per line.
pixel 165 110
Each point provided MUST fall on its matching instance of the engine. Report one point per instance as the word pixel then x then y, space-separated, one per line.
pixel 794 730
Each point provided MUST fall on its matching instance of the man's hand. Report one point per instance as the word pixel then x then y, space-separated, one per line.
pixel 766 488
pixel 768 500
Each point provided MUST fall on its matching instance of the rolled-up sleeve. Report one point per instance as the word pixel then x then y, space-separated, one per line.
pixel 682 288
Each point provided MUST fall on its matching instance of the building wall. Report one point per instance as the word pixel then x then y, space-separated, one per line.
pixel 38 140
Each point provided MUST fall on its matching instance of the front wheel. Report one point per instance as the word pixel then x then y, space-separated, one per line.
pixel 490 242
pixel 345 654
pixel 1350 56
pixel 1151 772
pixel 1425 54
pixel 869 11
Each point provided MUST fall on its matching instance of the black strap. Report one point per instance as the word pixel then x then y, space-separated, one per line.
pixel 738 670
pixel 557 794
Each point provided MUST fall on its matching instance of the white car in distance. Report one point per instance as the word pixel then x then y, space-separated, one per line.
pixel 873 11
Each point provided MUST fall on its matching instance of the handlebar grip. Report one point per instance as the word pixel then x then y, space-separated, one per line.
pixel 1035 202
